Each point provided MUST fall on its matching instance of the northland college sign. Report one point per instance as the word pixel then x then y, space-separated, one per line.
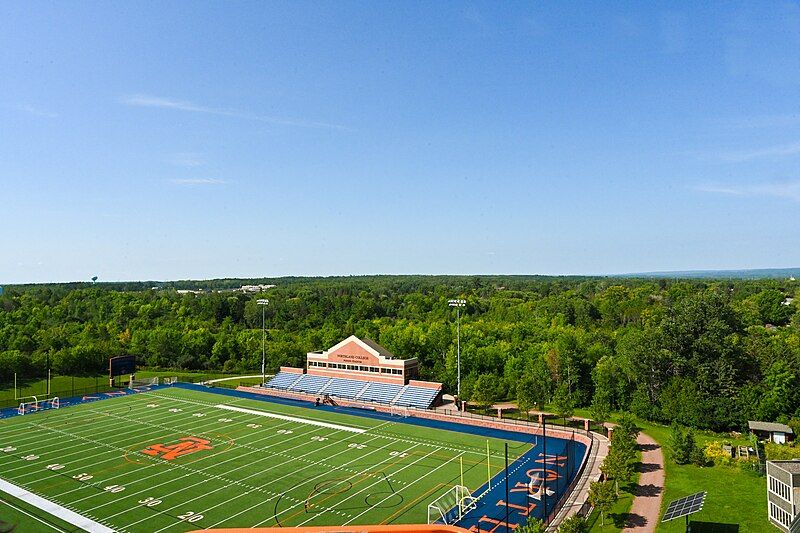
pixel 353 358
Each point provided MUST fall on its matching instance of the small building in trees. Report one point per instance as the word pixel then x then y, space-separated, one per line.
pixel 778 433
pixel 783 493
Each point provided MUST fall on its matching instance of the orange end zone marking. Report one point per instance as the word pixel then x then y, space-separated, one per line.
pixel 185 446
pixel 497 523
pixel 523 511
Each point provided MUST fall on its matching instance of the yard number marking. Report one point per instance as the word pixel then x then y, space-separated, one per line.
pixel 224 420
pixel 199 415
pixel 55 467
pixel 149 502
pixel 152 405
pixel 356 446
pixel 254 426
pixel 175 410
pixel 8 449
pixel 285 431
pixel 83 476
pixel 190 516
pixel 318 438
pixel 114 488
pixel 398 454
pixel 31 457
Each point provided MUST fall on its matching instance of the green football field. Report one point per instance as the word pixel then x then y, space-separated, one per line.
pixel 175 460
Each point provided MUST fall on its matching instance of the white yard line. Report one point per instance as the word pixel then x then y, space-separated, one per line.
pixel 404 488
pixel 211 424
pixel 202 471
pixel 23 511
pixel 80 444
pixel 300 502
pixel 273 493
pixel 291 418
pixel 54 509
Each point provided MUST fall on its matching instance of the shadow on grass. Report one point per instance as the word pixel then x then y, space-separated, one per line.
pixel 713 527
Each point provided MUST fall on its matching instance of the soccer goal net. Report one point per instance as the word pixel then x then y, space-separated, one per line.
pixel 396 410
pixel 451 506
pixel 143 382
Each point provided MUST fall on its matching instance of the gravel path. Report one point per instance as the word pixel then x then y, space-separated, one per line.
pixel 650 490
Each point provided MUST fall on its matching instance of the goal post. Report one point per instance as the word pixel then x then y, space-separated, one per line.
pixel 142 382
pixel 450 507
pixel 396 410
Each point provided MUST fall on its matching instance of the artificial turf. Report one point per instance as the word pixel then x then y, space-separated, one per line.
pixel 122 464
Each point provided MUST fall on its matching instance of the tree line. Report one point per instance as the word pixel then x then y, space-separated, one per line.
pixel 703 353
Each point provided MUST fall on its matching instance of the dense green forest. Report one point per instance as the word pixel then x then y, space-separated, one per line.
pixel 705 353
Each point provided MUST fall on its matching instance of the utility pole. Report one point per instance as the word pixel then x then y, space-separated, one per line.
pixel 458 304
pixel 263 302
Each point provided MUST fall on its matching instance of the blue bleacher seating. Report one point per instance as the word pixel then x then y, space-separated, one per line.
pixel 310 384
pixel 345 388
pixel 386 393
pixel 282 380
pixel 380 392
pixel 421 397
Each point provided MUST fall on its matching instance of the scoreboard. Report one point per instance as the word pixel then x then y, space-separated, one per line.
pixel 121 365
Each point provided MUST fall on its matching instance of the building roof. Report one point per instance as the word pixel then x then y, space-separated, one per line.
pixel 793 466
pixel 378 348
pixel 772 427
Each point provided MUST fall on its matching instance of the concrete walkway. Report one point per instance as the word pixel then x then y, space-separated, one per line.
pixel 211 381
pixel 650 490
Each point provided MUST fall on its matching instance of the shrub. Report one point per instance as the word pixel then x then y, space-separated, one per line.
pixel 781 451
pixel 714 453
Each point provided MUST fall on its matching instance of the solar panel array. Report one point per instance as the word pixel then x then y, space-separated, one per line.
pixel 684 506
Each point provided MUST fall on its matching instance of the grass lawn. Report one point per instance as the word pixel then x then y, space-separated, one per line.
pixel 615 520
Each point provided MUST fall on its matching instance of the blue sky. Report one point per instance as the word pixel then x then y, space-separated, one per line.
pixel 174 140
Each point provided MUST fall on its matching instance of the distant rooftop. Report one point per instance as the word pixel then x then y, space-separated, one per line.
pixel 769 426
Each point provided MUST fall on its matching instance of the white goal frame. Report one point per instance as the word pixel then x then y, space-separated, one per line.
pixel 23 406
pixel 55 403
pixel 396 410
pixel 146 382
pixel 450 507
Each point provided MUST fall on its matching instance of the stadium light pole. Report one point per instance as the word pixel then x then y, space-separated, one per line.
pixel 263 302
pixel 458 304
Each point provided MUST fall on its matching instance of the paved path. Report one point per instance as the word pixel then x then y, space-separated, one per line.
pixel 211 381
pixel 650 491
